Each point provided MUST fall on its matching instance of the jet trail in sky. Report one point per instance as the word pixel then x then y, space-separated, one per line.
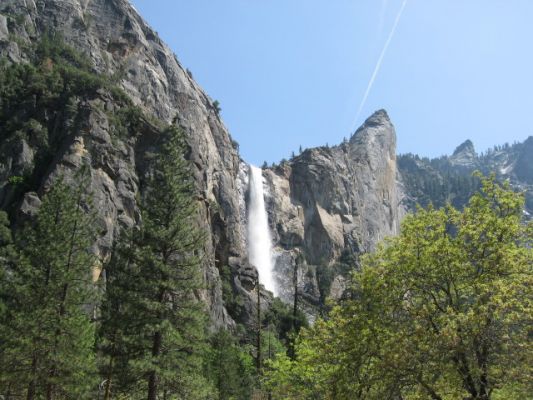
pixel 378 64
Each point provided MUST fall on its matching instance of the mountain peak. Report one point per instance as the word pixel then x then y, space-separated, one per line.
pixel 464 155
pixel 466 147
pixel 378 121
pixel 379 117
pixel 375 137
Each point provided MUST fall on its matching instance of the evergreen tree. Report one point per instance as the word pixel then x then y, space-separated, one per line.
pixel 6 257
pixel 230 368
pixel 216 107
pixel 153 325
pixel 120 324
pixel 47 337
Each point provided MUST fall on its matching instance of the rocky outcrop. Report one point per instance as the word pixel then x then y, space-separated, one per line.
pixel 120 44
pixel 326 206
pixel 330 201
pixel 464 156
pixel 523 167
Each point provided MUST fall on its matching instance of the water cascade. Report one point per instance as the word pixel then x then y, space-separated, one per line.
pixel 259 239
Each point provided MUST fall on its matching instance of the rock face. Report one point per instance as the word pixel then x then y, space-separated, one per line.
pixel 325 207
pixel 464 156
pixel 119 43
pixel 322 204
pixel 329 202
pixel 523 167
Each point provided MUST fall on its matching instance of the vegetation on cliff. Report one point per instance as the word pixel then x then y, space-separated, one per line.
pixel 140 330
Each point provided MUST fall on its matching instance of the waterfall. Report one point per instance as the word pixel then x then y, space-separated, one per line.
pixel 259 239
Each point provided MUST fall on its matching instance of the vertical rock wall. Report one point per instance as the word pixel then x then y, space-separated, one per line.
pixel 330 202
pixel 323 203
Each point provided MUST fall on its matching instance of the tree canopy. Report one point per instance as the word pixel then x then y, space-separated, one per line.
pixel 442 311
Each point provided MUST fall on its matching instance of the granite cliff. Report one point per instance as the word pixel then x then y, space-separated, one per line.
pixel 330 204
pixel 325 207
pixel 119 43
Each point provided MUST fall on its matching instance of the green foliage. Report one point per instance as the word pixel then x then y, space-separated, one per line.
pixel 47 338
pixel 216 106
pixel 443 311
pixel 281 319
pixel 233 301
pixel 6 258
pixel 324 277
pixel 229 367
pixel 271 346
pixel 436 182
pixel 52 47
pixel 40 103
pixel 15 180
pixel 152 324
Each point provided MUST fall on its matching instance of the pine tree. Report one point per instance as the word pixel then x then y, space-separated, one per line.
pixel 120 324
pixel 6 256
pixel 47 337
pixel 230 367
pixel 258 332
pixel 153 325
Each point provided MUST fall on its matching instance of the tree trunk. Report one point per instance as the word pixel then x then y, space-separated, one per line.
pixel 63 300
pixel 31 386
pixel 107 391
pixel 295 305
pixel 290 350
pixel 50 389
pixel 31 391
pixel 153 379
pixel 258 359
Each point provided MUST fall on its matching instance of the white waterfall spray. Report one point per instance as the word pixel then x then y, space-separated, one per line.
pixel 259 239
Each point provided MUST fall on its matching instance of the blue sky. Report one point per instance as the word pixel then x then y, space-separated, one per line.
pixel 293 72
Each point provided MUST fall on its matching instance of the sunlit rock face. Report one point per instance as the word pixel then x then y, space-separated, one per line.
pixel 325 207
pixel 330 202
pixel 464 156
pixel 324 203
pixel 119 43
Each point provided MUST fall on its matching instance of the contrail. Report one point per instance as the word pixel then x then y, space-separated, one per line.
pixel 378 64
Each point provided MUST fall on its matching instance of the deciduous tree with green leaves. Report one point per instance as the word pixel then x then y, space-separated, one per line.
pixel 443 311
